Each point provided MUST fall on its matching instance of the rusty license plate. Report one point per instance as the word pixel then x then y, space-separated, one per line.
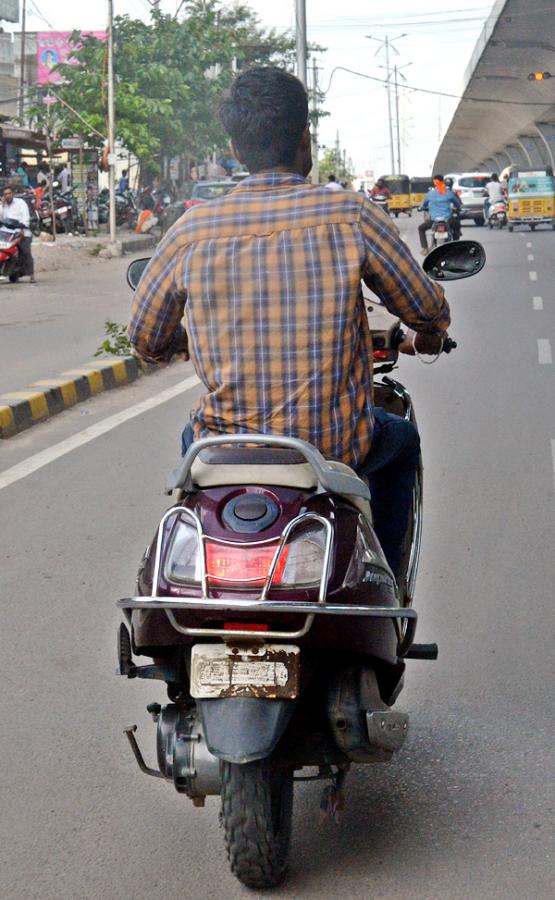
pixel 270 671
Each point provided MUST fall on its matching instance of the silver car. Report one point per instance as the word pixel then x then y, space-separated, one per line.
pixel 470 187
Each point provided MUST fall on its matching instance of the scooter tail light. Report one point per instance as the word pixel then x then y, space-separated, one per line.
pixel 300 562
pixel 242 564
pixel 381 354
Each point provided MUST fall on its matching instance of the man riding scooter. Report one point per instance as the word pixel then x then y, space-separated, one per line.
pixel 439 203
pixel 269 280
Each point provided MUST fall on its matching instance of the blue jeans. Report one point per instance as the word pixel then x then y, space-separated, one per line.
pixel 390 467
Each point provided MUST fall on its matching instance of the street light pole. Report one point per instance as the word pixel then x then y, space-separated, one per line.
pixel 315 160
pixel 397 72
pixel 22 62
pixel 300 34
pixel 111 124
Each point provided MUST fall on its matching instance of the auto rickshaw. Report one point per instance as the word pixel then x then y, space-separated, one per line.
pixel 399 194
pixel 419 187
pixel 531 198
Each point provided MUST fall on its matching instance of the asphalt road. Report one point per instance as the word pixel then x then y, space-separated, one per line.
pixel 466 810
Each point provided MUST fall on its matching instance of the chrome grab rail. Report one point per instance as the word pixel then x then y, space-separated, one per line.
pixel 181 603
pixel 278 606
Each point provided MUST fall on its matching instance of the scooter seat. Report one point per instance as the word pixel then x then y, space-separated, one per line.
pixel 264 466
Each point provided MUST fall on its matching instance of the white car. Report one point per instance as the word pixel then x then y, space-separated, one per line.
pixel 470 187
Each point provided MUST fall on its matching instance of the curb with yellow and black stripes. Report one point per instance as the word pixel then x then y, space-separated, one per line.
pixel 45 398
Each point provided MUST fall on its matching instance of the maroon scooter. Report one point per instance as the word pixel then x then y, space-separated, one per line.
pixel 266 605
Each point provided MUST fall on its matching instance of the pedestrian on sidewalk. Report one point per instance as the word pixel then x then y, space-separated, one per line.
pixel 17 209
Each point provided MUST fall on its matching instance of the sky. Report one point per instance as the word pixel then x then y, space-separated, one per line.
pixel 434 48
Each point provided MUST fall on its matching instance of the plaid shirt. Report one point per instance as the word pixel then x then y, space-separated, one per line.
pixel 269 281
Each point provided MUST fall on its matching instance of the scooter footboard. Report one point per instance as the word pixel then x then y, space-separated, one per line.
pixel 243 729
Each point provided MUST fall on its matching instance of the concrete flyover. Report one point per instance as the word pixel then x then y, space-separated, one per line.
pixel 519 127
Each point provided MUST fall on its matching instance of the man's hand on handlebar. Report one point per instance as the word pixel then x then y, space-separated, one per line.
pixel 428 344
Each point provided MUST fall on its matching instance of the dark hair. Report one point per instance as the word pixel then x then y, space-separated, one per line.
pixel 8 187
pixel 438 178
pixel 495 177
pixel 332 178
pixel 265 114
pixel 123 173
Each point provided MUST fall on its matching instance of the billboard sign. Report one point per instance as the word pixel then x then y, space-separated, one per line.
pixel 9 10
pixel 55 47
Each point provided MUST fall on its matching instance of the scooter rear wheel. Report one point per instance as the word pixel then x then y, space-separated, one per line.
pixel 257 808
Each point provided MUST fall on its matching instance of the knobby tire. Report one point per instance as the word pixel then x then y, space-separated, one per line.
pixel 257 808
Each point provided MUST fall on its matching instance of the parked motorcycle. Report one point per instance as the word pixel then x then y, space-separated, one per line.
pixel 11 235
pixel 63 211
pixel 270 612
pixel 497 214
pixel 126 208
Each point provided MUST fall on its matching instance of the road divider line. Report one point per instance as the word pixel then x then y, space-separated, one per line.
pixel 530 257
pixel 51 454
pixel 538 302
pixel 545 357
pixel 533 276
pixel 529 244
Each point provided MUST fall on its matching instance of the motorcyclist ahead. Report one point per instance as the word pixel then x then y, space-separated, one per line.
pixel 380 189
pixel 439 203
pixel 269 280
pixel 495 193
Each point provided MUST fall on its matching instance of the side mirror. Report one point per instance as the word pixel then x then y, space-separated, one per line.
pixel 135 272
pixel 455 260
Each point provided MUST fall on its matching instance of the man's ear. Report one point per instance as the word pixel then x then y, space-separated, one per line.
pixel 306 138
pixel 235 153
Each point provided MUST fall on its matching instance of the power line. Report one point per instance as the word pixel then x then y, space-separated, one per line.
pixel 41 16
pixel 418 90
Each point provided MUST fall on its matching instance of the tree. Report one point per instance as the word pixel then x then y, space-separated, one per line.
pixel 331 163
pixel 169 76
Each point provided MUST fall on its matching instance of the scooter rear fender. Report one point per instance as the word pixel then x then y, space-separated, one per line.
pixel 243 729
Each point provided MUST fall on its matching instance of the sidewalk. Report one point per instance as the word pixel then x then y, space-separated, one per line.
pixel 58 254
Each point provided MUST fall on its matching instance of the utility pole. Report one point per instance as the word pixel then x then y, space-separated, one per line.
pixel 387 45
pixel 22 62
pixel 300 35
pixel 389 116
pixel 314 129
pixel 111 124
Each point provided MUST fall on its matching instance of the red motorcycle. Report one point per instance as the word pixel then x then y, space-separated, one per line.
pixel 11 235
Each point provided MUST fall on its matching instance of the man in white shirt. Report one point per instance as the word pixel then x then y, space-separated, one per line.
pixel 15 208
pixel 495 192
pixel 333 184
pixel 64 178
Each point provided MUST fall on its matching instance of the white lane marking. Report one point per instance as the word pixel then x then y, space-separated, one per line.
pixel 529 244
pixel 530 257
pixel 533 276
pixel 553 458
pixel 538 302
pixel 545 357
pixel 521 233
pixel 33 463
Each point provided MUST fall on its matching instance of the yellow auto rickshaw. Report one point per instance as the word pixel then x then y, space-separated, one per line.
pixel 531 197
pixel 399 194
pixel 419 187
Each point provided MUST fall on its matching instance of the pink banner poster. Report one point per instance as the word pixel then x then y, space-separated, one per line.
pixel 55 47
